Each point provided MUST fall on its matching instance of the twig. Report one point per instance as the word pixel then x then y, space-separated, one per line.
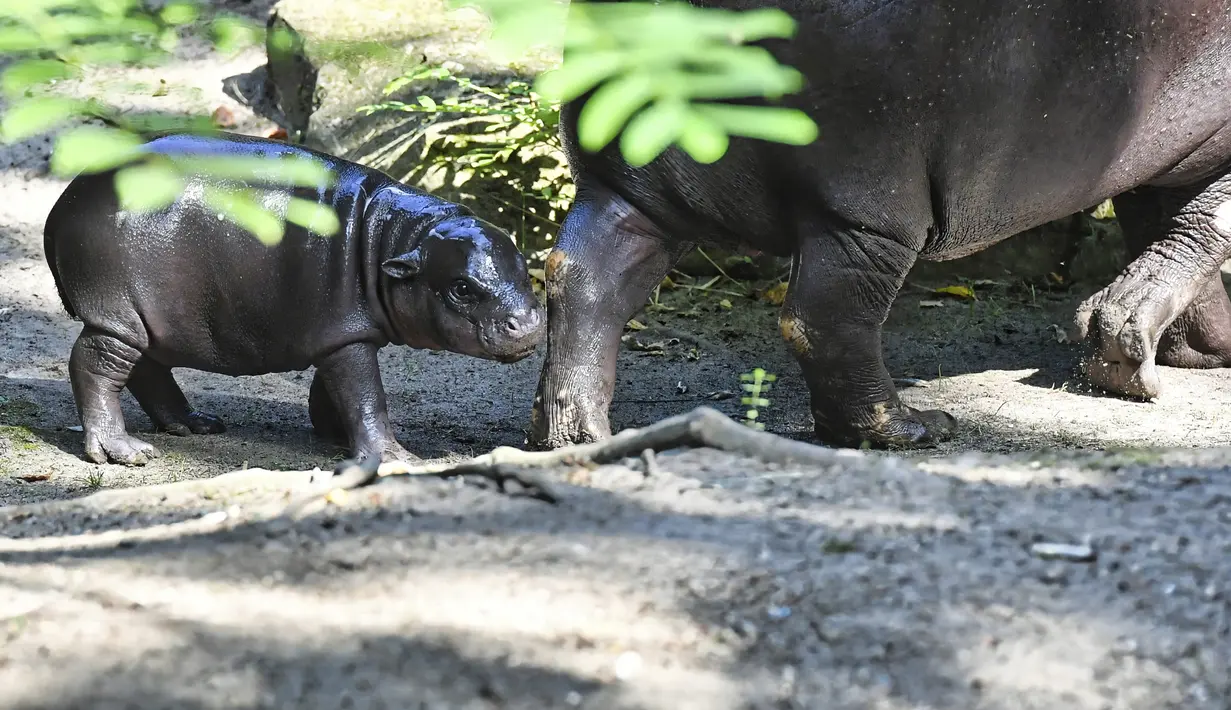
pixel 725 292
pixel 716 266
pixel 702 427
pixel 651 463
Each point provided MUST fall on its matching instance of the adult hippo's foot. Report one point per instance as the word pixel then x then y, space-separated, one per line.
pixel 1168 306
pixel 607 260
pixel 1201 337
pixel 347 404
pixel 843 282
pixel 99 368
pixel 155 389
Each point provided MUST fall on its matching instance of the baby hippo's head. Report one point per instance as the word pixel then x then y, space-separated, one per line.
pixel 465 288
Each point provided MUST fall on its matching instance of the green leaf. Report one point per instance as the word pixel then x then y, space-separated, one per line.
pixel 179 13
pixel 313 216
pixel 37 115
pixel 92 149
pixel 280 40
pixel 28 73
pixel 162 122
pixel 610 107
pixel 147 187
pixel 770 123
pixel 703 139
pixel 427 102
pixel 116 8
pixel 296 171
pixel 240 207
pixel 652 131
pixel 19 39
pixel 762 23
pixel 232 33
pixel 578 74
pixel 118 52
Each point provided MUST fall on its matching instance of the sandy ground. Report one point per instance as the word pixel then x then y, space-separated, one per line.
pixel 880 582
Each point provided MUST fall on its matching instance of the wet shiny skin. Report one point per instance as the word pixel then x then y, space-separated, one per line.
pixel 183 288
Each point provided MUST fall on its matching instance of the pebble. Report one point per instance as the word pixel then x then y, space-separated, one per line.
pixel 627 665
pixel 1060 551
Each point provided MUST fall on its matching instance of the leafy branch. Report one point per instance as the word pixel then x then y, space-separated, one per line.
pixel 658 75
pixel 56 41
pixel 659 72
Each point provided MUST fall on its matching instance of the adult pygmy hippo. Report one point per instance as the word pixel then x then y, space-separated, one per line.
pixel 945 126
pixel 182 287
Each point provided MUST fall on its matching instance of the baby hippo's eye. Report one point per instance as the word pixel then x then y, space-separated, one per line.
pixel 463 291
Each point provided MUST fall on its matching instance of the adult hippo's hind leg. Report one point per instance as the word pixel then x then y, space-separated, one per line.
pixel 843 282
pixel 1168 306
pixel 99 367
pixel 326 421
pixel 607 260
pixel 1201 336
pixel 156 390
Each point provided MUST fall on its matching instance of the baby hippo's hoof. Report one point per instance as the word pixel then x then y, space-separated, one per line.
pixel 196 423
pixel 119 448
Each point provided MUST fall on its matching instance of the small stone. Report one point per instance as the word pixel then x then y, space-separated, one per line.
pixel 1054 575
pixel 1060 551
pixel 627 665
pixel 214 518
pixel 778 612
pixel 1125 647
pixel 573 698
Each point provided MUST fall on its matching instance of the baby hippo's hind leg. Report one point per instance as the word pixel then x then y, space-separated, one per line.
pixel 99 368
pixel 156 390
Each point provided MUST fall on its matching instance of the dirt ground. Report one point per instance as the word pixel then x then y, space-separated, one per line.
pixel 883 581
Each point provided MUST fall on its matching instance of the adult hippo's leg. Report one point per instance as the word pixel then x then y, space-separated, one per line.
pixel 1201 336
pixel 326 421
pixel 607 260
pixel 156 390
pixel 351 378
pixel 98 368
pixel 1168 305
pixel 843 282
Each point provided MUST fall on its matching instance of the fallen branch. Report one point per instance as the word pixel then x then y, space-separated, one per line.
pixel 702 427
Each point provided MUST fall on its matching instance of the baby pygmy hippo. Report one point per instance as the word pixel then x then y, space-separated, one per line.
pixel 182 287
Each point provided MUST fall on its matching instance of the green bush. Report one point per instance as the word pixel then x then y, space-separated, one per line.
pixel 494 144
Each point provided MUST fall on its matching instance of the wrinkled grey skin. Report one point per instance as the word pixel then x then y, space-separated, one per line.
pixel 183 288
pixel 945 126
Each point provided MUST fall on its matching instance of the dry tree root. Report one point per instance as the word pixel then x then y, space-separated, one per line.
pixel 701 427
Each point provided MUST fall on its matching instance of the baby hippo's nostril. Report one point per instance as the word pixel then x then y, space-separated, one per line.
pixel 523 323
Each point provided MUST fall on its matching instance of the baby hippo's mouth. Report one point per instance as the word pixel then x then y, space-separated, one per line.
pixel 508 358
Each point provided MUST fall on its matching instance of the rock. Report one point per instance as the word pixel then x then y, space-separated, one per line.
pixel 1068 553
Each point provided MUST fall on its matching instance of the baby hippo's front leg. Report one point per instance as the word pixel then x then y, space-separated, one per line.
pixel 351 379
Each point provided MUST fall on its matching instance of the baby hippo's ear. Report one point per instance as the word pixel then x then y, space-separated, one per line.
pixel 404 266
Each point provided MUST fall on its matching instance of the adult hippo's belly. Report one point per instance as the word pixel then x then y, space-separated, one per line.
pixel 945 127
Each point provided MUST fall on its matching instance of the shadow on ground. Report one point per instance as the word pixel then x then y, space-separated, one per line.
pixel 871 584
